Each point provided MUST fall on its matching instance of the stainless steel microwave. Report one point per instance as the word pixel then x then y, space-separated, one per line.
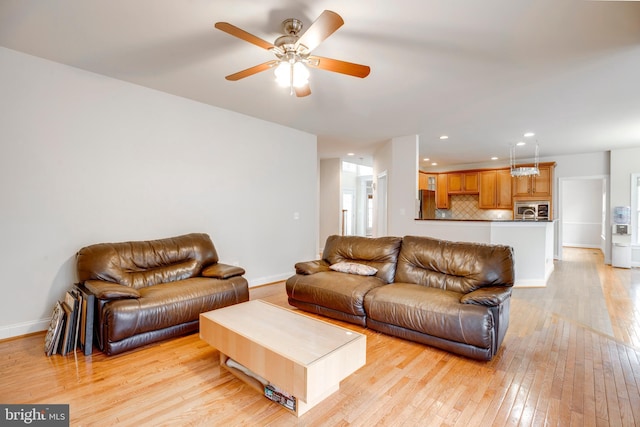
pixel 531 210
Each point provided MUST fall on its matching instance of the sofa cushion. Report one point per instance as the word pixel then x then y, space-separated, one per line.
pixel 490 296
pixel 108 290
pixel 379 252
pixel 147 263
pixel 455 266
pixel 334 290
pixel 222 271
pixel 431 311
pixel 312 267
pixel 170 304
pixel 354 268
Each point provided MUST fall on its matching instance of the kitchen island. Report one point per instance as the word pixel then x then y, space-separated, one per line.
pixel 532 242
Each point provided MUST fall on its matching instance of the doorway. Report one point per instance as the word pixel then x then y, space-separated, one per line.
pixel 355 188
pixel 582 213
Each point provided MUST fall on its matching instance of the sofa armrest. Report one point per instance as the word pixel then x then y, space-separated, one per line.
pixel 222 271
pixel 491 296
pixel 312 267
pixel 109 290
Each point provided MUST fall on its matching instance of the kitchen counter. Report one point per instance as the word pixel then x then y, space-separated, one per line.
pixel 532 242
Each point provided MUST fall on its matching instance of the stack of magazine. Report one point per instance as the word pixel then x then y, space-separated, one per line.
pixel 71 325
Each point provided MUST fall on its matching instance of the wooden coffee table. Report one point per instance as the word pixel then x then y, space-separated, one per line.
pixel 303 357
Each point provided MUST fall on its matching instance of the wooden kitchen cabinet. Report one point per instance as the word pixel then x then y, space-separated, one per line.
pixel 423 181
pixel 426 181
pixel 504 191
pixel 540 186
pixel 442 191
pixel 495 189
pixel 462 182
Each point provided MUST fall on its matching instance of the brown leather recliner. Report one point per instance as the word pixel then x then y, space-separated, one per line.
pixel 147 291
pixel 318 289
pixel 451 295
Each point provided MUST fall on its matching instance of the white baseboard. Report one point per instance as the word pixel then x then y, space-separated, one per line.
pixel 270 279
pixel 24 328
pixel 530 283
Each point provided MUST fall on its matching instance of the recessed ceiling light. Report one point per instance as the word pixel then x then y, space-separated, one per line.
pixel 529 134
pixel 444 137
pixel 434 164
pixel 494 158
pixel 521 143
pixel 426 159
pixel 350 154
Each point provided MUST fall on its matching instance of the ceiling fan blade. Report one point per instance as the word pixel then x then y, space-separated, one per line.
pixel 338 66
pixel 326 24
pixel 251 71
pixel 303 91
pixel 242 34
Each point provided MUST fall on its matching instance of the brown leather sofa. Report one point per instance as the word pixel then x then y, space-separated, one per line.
pixel 147 291
pixel 450 295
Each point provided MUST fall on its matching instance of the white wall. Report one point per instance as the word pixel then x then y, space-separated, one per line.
pixel 330 214
pixel 623 164
pixel 381 167
pixel 581 165
pixel 88 159
pixel 399 158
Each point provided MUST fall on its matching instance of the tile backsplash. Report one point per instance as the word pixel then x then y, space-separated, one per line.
pixel 465 206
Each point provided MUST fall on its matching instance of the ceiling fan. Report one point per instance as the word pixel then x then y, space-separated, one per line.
pixel 293 52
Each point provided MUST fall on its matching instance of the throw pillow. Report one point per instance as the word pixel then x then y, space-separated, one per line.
pixel 354 268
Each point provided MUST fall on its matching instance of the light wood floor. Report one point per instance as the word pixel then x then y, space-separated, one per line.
pixel 571 357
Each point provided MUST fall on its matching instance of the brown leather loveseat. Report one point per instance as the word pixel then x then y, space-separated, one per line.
pixel 147 291
pixel 450 295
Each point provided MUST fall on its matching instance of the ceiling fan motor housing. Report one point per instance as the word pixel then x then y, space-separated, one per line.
pixel 288 42
pixel 292 26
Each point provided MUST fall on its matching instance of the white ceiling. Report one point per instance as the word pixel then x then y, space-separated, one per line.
pixel 481 72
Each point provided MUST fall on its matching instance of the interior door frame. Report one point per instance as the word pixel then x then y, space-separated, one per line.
pixel 380 193
pixel 606 236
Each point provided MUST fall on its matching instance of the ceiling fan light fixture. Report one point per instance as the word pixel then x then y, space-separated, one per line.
pixel 300 75
pixel 283 74
pixel 291 74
